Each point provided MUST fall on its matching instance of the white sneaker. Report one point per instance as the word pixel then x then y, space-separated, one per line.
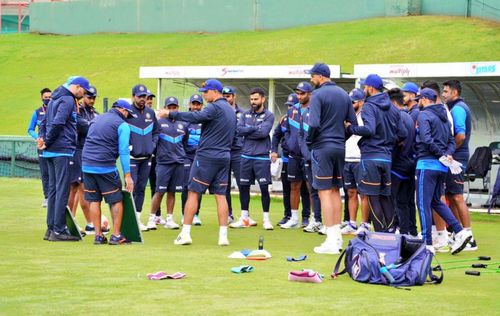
pixel 230 219
pixel 328 247
pixel 291 223
pixel 363 228
pixel 441 248
pixel 344 224
pixel 160 221
pixel 44 203
pixel 142 227
pixel 196 221
pixel 240 223
pixel 151 225
pixel 251 222
pixel 267 225
pixel 322 231
pixel 170 224
pixel 223 241
pixel 349 229
pixel 461 240
pixel 183 239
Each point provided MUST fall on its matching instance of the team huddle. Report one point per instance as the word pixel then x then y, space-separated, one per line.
pixel 396 151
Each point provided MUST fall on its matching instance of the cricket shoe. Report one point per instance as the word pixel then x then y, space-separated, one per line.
pixel 471 245
pixel 100 240
pixel 223 241
pixel 118 240
pixel 292 223
pixel 283 220
pixel 45 202
pixel 460 242
pixel 183 239
pixel 313 227
pixel 322 231
pixel 328 247
pixel 151 225
pixel 160 221
pixel 243 222
pixel 363 228
pixel 267 225
pixel 196 220
pixel 441 248
pixel 305 222
pixel 349 229
pixel 89 229
pixel 170 224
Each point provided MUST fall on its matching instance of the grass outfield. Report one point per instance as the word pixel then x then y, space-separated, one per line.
pixel 41 278
pixel 29 62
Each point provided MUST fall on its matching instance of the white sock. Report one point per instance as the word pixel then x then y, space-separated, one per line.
pixel 353 223
pixel 186 229
pixel 442 237
pixel 333 233
pixel 295 215
pixel 266 216
pixel 170 217
pixel 222 231
pixel 244 214
pixel 90 224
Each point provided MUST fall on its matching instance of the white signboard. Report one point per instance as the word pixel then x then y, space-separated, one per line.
pixel 469 69
pixel 231 72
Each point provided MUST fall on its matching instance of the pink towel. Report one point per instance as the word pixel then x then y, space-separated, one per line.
pixel 161 275
pixel 305 276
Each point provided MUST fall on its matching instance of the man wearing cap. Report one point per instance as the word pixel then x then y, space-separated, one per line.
pixel 295 165
pixel 304 92
pixel 57 139
pixel 351 166
pixel 462 124
pixel 36 120
pixel 279 138
pixel 170 164
pixel 229 94
pixel 433 143
pixel 254 126
pixel 382 130
pixel 193 141
pixel 149 98
pixel 403 170
pixel 107 139
pixel 410 91
pixel 143 140
pixel 211 164
pixel 330 107
pixel 85 115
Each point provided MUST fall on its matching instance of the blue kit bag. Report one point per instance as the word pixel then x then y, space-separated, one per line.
pixel 389 259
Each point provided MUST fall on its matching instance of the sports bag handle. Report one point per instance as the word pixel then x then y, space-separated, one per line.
pixel 336 272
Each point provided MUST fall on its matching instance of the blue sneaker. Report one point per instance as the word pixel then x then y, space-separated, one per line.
pixel 100 240
pixel 283 220
pixel 118 240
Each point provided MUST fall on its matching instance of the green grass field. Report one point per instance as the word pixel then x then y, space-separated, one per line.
pixel 29 62
pixel 42 278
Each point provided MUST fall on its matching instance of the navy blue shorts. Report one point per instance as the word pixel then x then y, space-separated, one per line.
pixel 351 175
pixel 327 167
pixel 307 171
pixel 455 183
pixel 211 174
pixel 375 177
pixel 255 169
pixel 75 167
pixel 295 169
pixel 169 177
pixel 107 185
pixel 187 171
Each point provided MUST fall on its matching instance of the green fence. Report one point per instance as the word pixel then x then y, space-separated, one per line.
pixel 18 157
pixel 10 24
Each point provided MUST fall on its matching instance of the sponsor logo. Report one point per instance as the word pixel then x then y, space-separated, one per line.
pixel 400 70
pixel 148 116
pixel 141 88
pixel 356 267
pixel 178 187
pixel 180 126
pixel 297 71
pixel 164 125
pixel 195 97
pixel 248 115
pixel 172 73
pixel 226 71
pixel 245 180
pixel 483 69
pixel 262 180
pixel 162 188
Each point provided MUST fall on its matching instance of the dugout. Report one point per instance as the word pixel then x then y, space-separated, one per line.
pixel 480 90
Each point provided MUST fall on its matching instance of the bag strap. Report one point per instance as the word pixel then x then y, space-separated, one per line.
pixel 433 278
pixel 336 272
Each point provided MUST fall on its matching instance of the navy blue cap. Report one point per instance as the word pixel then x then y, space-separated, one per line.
pixel 211 84
pixel 427 93
pixel 171 100
pixel 196 98
pixel 139 90
pixel 357 95
pixel 150 94
pixel 304 87
pixel 320 69
pixel 410 87
pixel 374 81
pixel 91 92
pixel 228 90
pixel 122 104
pixel 77 80
pixel 292 99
